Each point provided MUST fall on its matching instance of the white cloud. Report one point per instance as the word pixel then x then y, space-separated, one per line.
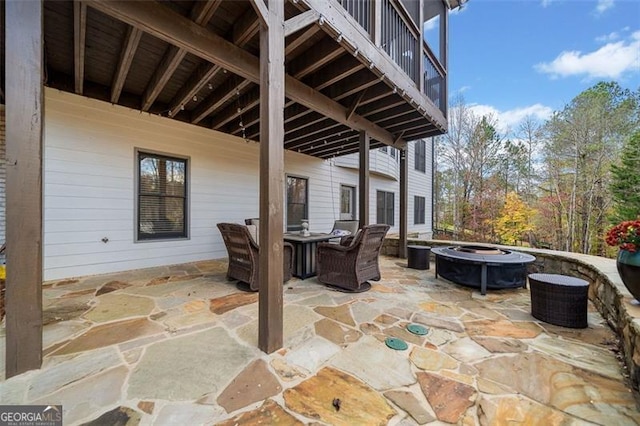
pixel 603 5
pixel 510 119
pixel 613 36
pixel 609 61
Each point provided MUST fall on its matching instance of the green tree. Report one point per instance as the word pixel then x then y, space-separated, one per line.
pixel 515 221
pixel 625 181
pixel 583 140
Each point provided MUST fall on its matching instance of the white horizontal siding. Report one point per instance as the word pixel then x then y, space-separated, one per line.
pixel 420 184
pixel 89 187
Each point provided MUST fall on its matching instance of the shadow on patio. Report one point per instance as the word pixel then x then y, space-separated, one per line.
pixel 178 345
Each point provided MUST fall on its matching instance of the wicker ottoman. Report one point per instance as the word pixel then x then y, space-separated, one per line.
pixel 418 257
pixel 559 299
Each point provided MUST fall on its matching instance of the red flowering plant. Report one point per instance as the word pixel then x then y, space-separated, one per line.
pixel 625 235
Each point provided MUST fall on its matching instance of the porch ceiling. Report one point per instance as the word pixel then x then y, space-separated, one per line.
pixel 120 58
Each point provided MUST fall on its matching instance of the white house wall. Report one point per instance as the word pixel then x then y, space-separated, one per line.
pixel 420 184
pixel 89 180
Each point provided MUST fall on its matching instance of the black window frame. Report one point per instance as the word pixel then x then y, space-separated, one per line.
pixel 420 151
pixel 419 210
pixel 385 212
pixel 297 226
pixel 140 194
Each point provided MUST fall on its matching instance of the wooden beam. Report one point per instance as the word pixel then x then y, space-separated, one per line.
pixel 24 146
pixel 230 89
pixel 302 38
pixel 272 93
pixel 79 37
pixel 129 47
pixel 399 135
pixel 340 69
pixel 321 54
pixel 299 22
pixel 200 14
pixel 243 31
pixel 355 104
pixel 404 194
pixel 363 178
pixel 162 22
pixel 261 10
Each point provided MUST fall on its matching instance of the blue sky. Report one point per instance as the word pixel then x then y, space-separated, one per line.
pixel 511 58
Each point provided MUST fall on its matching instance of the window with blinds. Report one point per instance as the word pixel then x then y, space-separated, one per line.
pixel 385 207
pixel 418 210
pixel 162 197
pixel 297 202
pixel 421 156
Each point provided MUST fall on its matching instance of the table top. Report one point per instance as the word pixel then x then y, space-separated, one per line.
pixel 558 279
pixel 508 257
pixel 314 237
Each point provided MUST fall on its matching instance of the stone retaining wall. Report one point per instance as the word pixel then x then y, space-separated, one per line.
pixel 606 291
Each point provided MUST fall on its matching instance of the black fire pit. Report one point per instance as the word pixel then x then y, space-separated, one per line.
pixel 482 266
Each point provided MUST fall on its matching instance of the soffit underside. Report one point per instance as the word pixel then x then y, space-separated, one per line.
pixel 124 65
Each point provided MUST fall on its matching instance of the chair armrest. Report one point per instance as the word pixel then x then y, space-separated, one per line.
pixel 346 241
pixel 333 247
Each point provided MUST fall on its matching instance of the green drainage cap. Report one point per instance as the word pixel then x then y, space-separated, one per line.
pixel 417 329
pixel 397 344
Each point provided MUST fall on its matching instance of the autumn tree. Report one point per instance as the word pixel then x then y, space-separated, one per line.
pixel 515 220
pixel 625 184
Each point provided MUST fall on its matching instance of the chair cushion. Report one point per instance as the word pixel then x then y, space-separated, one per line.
pixel 254 232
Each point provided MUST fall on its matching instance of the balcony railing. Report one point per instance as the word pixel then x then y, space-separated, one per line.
pixel 399 41
pixel 434 84
pixel 400 36
pixel 360 10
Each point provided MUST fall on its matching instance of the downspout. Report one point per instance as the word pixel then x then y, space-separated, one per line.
pixel 433 187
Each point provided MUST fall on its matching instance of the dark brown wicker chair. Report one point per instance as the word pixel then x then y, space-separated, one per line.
pixel 349 265
pixel 243 255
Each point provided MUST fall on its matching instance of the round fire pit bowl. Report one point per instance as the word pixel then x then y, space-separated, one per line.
pixel 483 267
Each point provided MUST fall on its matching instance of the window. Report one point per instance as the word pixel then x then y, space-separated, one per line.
pixel 385 207
pixel 161 197
pixel 421 156
pixel 297 202
pixel 418 210
pixel 347 202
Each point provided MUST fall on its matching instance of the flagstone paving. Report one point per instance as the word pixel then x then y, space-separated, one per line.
pixel 177 345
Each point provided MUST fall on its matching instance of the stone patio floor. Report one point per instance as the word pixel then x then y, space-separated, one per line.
pixel 178 346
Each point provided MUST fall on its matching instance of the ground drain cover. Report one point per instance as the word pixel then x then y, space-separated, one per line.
pixel 417 329
pixel 397 344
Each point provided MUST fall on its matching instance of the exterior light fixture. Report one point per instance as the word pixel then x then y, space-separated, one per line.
pixel 339 39
pixel 321 20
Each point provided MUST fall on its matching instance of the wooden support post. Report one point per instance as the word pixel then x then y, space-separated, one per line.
pixel 404 191
pixel 24 113
pixel 270 315
pixel 364 179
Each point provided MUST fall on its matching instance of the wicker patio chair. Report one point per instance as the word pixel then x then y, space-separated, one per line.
pixel 349 265
pixel 243 253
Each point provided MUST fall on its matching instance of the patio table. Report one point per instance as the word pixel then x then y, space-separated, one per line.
pixel 304 249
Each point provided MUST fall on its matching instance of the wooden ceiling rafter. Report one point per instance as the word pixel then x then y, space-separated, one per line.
pixel 79 43
pixel 242 32
pixel 200 14
pixel 165 24
pixel 129 47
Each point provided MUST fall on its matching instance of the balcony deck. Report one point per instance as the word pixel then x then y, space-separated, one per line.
pixel 177 345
